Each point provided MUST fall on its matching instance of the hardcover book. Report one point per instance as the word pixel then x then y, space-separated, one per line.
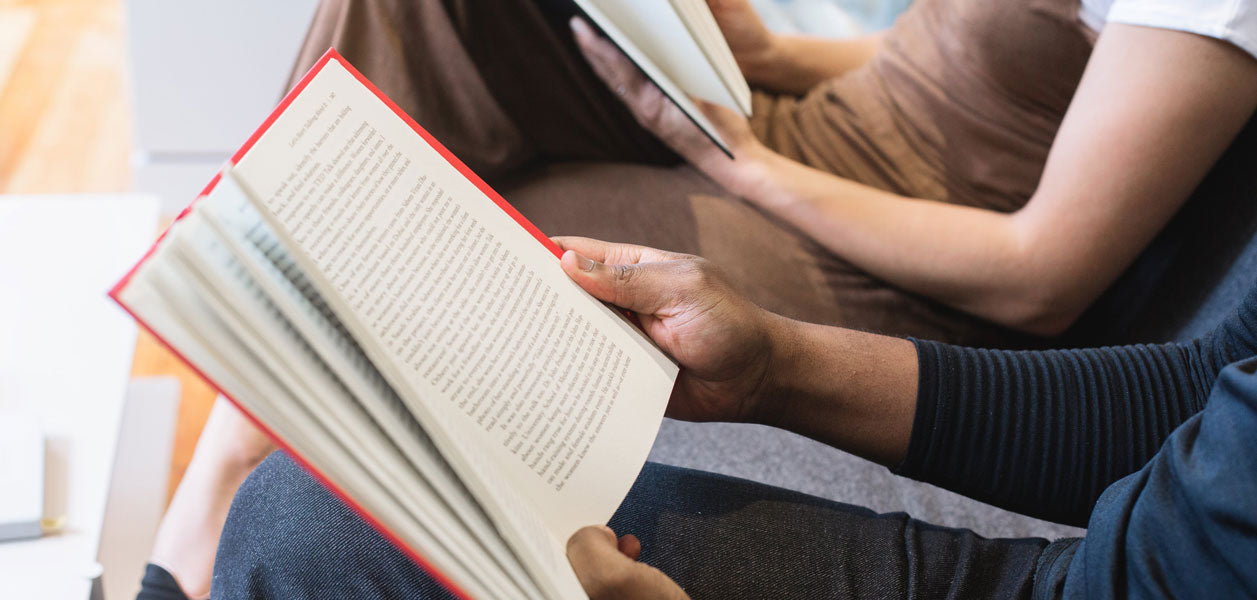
pixel 678 45
pixel 409 338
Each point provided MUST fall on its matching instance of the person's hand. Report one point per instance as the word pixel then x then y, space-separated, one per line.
pixel 660 116
pixel 608 569
pixel 725 344
pixel 753 45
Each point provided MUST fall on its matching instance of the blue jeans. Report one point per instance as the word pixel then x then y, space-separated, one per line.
pixel 718 537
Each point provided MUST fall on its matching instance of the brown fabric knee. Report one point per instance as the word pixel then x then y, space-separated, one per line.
pixel 501 84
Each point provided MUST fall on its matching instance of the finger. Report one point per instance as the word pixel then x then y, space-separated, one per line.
pixel 630 546
pixel 581 30
pixel 608 62
pixel 599 53
pixel 605 572
pixel 650 288
pixel 596 559
pixel 591 542
pixel 614 253
pixel 601 251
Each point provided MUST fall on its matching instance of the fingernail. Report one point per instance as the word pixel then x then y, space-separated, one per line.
pixel 584 263
pixel 579 26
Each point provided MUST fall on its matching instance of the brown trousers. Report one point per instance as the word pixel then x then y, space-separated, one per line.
pixel 961 105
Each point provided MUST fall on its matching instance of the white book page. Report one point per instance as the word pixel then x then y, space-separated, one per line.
pixel 325 380
pixel 659 32
pixel 502 357
pixel 166 299
pixel 666 83
pixel 252 243
pixel 702 25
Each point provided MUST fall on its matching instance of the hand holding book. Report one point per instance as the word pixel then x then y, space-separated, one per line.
pixel 739 362
pixel 656 112
pixel 723 342
pixel 726 346
pixel 608 568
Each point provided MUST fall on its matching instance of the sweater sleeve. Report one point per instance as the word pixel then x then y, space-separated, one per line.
pixel 1043 433
pixel 1182 526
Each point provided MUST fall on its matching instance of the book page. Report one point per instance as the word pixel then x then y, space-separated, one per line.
pixel 678 94
pixel 702 25
pixel 469 317
pixel 204 337
pixel 659 30
pixel 249 242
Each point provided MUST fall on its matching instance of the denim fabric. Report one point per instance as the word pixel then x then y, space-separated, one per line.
pixel 286 536
pixel 718 537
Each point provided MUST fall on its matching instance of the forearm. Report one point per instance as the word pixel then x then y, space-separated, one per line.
pixel 1040 432
pixel 795 64
pixel 852 390
pixel 978 261
pixel 1137 139
pixel 1044 433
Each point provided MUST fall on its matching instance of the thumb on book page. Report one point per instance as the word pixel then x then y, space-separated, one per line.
pixel 644 288
pixel 606 571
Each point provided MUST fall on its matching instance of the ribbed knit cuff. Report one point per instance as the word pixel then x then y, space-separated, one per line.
pixel 923 421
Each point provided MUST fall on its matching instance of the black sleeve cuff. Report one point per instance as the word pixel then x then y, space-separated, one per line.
pixel 159 584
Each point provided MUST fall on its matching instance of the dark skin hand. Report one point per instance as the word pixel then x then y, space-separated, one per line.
pixel 684 305
pixel 849 389
pixel 740 363
pixel 608 569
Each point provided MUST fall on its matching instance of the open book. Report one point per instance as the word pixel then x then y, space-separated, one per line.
pixel 679 46
pixel 409 338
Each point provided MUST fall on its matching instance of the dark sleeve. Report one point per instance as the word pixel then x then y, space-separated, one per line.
pixel 1182 526
pixel 1044 432
pixel 159 584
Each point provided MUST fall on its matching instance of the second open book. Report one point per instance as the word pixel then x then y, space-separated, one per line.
pixel 678 45
pixel 408 337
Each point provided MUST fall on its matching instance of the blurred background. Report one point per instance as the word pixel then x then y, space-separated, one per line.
pixel 113 115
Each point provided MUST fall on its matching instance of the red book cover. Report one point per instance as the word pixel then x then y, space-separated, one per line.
pixel 116 292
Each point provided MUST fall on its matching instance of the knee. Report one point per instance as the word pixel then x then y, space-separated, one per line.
pixel 288 536
pixel 280 533
pixel 271 526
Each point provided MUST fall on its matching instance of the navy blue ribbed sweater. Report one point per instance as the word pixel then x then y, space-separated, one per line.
pixel 1044 432
pixel 1152 447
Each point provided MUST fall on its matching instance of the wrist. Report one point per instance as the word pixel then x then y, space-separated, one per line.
pixel 852 390
pixel 760 178
pixel 749 174
pixel 781 378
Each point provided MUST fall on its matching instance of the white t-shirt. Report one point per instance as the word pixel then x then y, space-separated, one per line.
pixel 1234 21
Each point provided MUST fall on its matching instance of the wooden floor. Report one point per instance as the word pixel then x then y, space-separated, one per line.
pixel 65 126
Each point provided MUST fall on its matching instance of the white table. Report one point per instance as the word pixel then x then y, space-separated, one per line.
pixel 65 360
